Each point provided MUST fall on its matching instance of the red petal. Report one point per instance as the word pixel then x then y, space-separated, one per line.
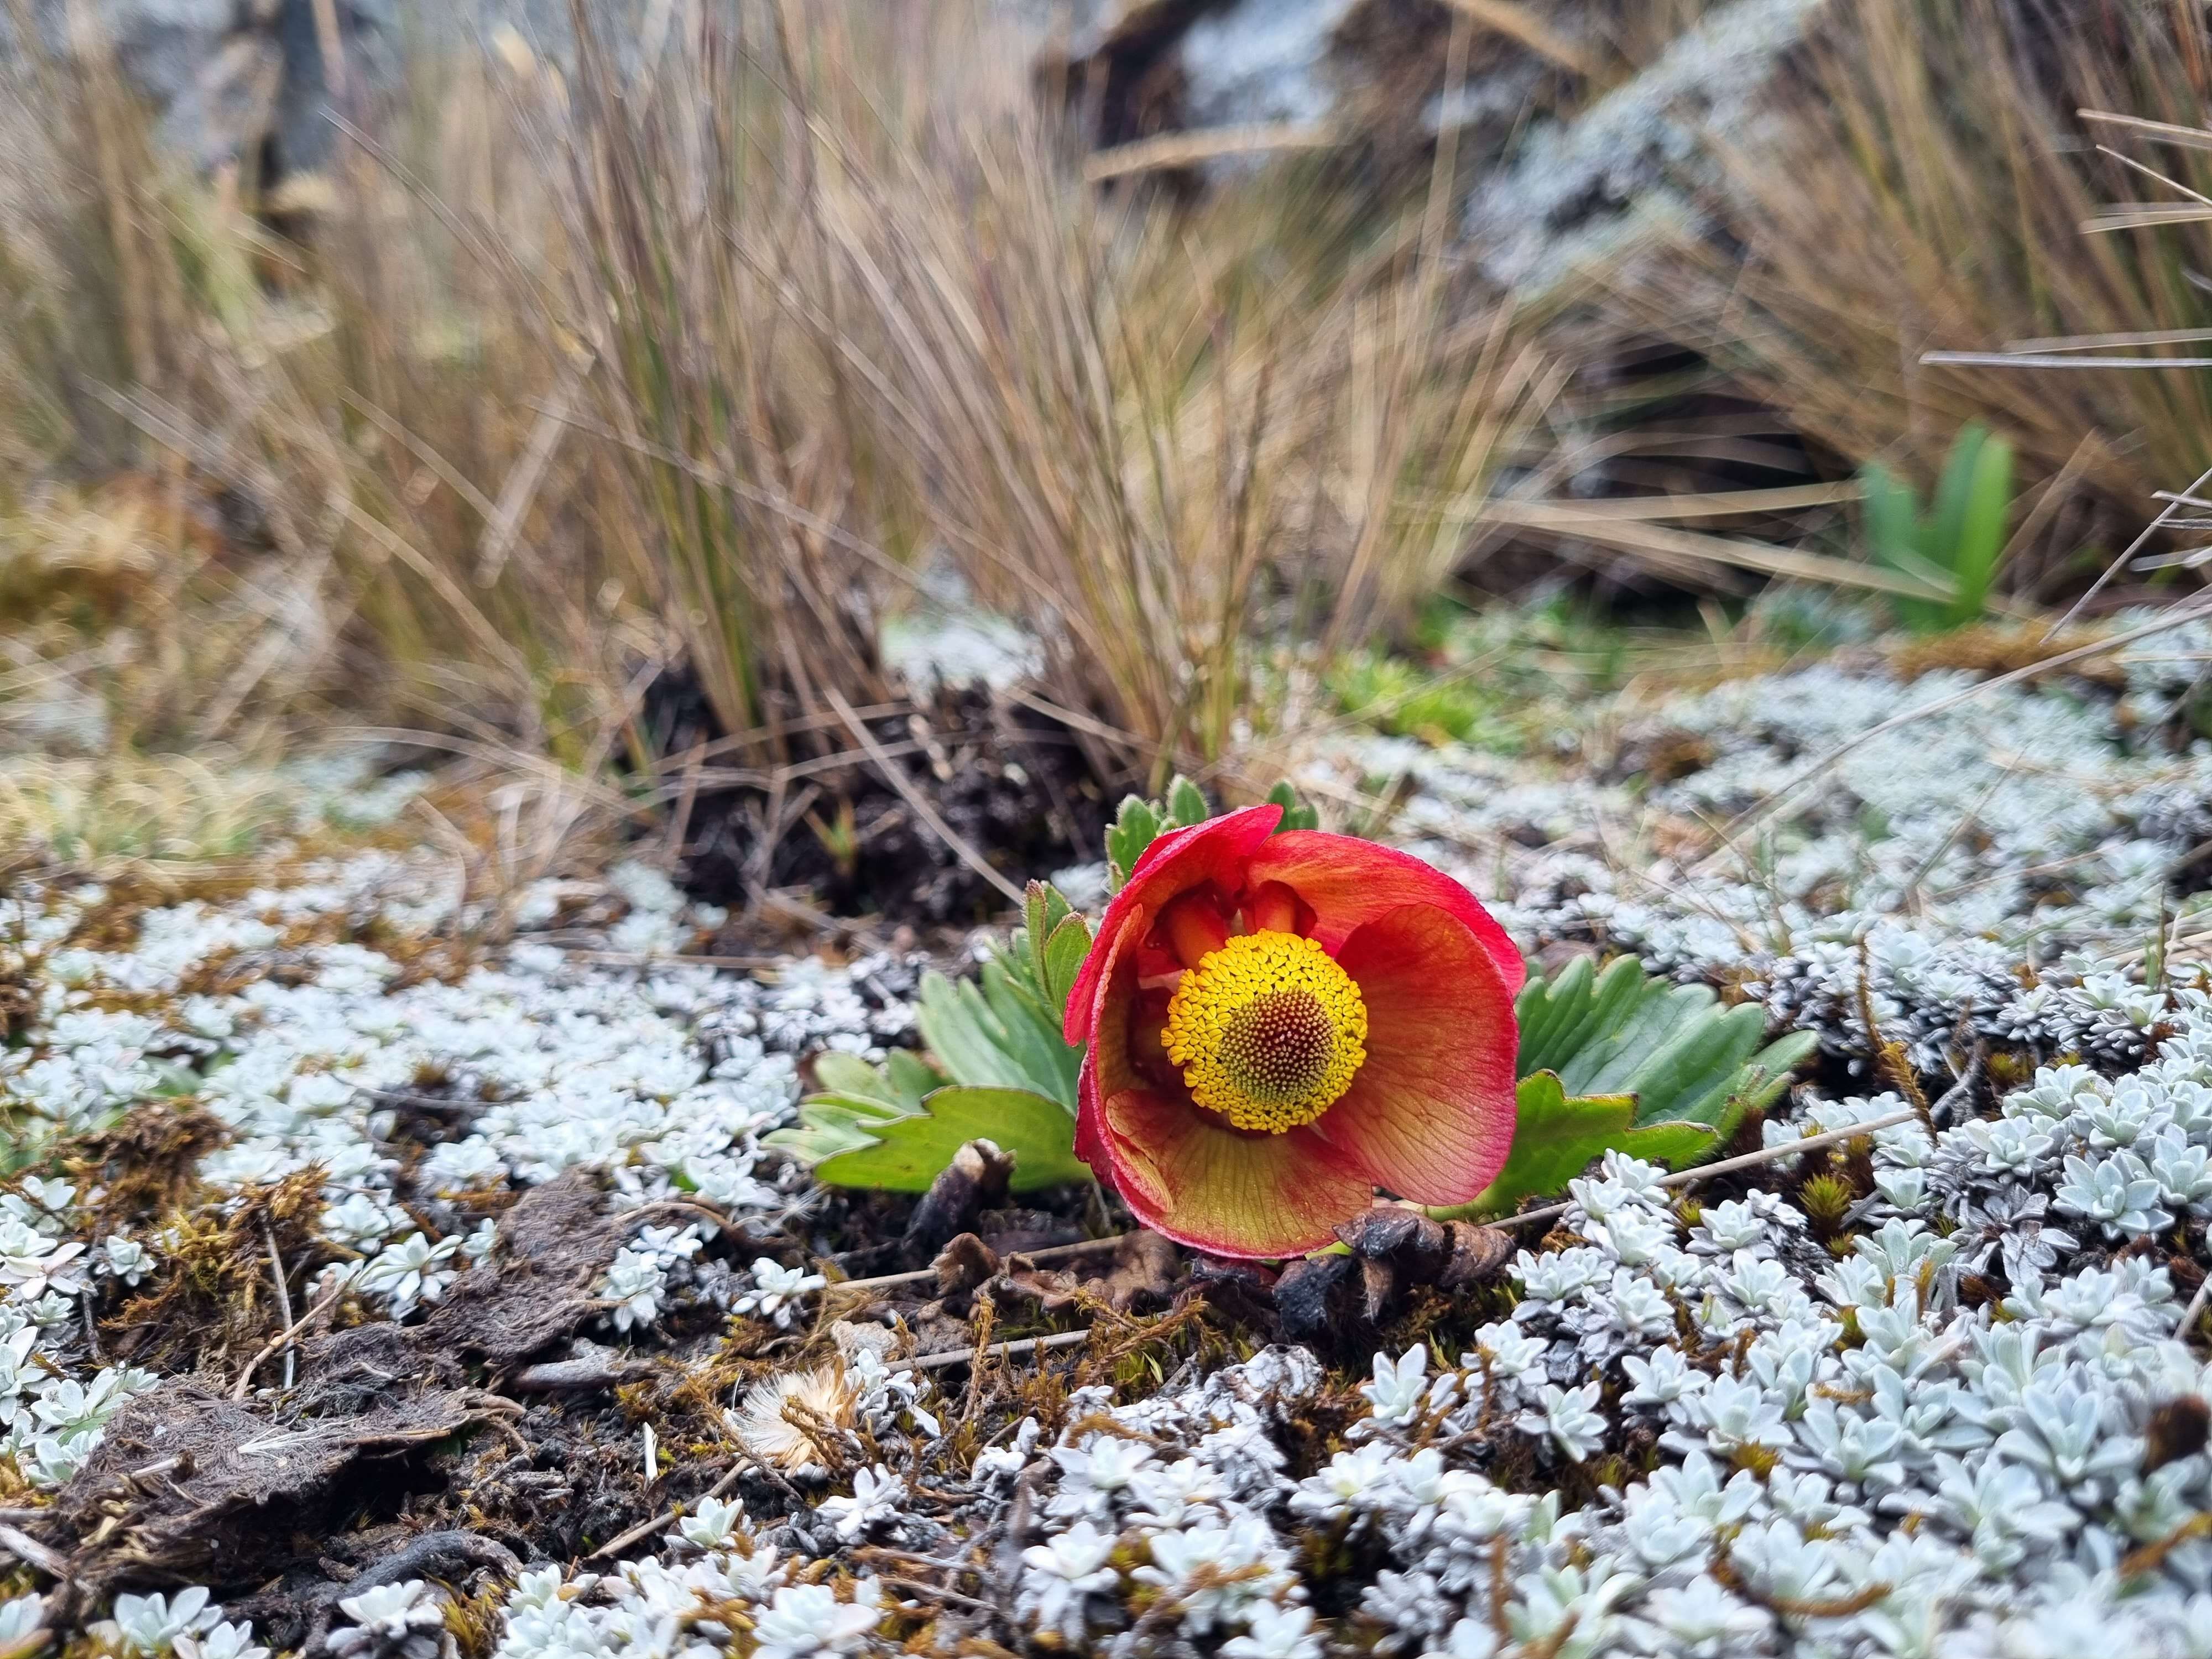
pixel 1350 882
pixel 1214 851
pixel 1431 1114
pixel 1106 1015
pixel 1184 1172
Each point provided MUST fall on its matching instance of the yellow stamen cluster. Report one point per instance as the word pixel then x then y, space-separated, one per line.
pixel 1268 1030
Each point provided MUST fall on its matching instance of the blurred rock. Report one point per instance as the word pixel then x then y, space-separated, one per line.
pixel 243 80
pixel 1553 185
pixel 231 80
pixel 1631 168
pixel 1144 68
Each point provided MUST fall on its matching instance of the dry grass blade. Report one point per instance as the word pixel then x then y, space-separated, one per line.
pixel 1131 428
pixel 691 215
pixel 961 848
pixel 1524 24
pixel 1685 548
pixel 1930 192
pixel 1171 151
pixel 2168 132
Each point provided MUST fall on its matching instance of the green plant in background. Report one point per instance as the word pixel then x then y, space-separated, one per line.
pixel 1400 697
pixel 1959 543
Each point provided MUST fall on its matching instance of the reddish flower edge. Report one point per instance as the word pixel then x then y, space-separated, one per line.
pixel 1350 882
pixel 1214 851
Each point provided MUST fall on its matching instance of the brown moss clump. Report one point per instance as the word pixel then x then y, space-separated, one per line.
pixel 1987 649
pixel 1825 1199
pixel 145 1165
pixel 216 1302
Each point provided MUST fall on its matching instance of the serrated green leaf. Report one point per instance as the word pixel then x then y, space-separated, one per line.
pixel 1546 1010
pixel 1028 1033
pixel 910 1077
pixel 848 1074
pixel 1556 1138
pixel 907 1154
pixel 1681 1056
pixel 997 1035
pixel 1044 908
pixel 951 1018
pixel 831 1124
pixel 1028 939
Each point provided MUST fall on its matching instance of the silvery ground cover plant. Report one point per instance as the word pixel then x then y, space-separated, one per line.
pixel 372 1292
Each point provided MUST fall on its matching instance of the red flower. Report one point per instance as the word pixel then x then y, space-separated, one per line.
pixel 1279 1025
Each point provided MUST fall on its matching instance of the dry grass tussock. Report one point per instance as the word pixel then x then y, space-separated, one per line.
pixel 700 358
pixel 1933 189
pixel 1170 440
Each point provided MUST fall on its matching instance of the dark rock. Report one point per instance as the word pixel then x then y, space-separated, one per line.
pixel 1312 1297
pixel 1241 1292
pixel 243 80
pixel 975 1181
pixel 1405 1238
pixel 1629 171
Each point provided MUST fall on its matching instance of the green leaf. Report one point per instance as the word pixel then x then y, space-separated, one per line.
pixel 906 1154
pixel 1044 909
pixel 999 1035
pixel 1297 814
pixel 1960 544
pixel 1891 513
pixel 1681 1056
pixel 1139 821
pixel 173 1081
pixel 1946 524
pixel 1186 803
pixel 909 1077
pixel 1063 958
pixel 1135 827
pixel 848 1074
pixel 1981 542
pixel 1890 510
pixel 831 1124
pixel 1556 1138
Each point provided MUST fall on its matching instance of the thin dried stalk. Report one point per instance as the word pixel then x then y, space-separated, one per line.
pixel 1929 193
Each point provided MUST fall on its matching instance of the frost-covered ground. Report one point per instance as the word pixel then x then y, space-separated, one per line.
pixel 1923 1395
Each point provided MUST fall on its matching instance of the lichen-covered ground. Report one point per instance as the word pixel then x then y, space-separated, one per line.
pixel 372 1290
